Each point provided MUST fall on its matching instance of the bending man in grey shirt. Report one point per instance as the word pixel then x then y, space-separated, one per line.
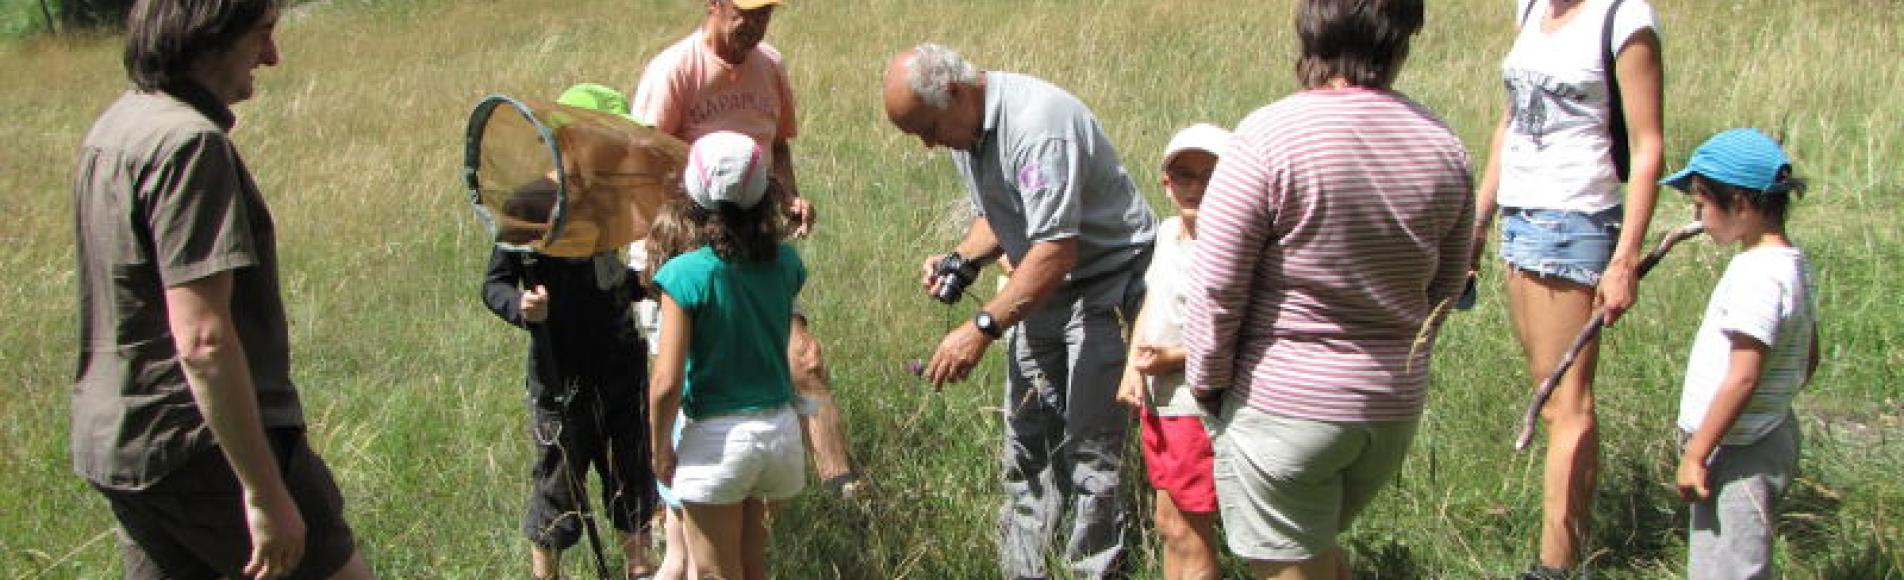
pixel 1052 197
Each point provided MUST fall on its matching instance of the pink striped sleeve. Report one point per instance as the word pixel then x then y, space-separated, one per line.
pixel 1233 226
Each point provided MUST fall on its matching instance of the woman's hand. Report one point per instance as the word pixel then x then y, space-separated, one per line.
pixel 1618 289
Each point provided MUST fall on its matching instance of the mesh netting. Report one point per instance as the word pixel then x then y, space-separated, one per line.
pixel 564 181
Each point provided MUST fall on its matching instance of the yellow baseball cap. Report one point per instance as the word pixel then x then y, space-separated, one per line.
pixel 753 4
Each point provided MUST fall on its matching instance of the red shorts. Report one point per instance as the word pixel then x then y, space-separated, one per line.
pixel 1178 456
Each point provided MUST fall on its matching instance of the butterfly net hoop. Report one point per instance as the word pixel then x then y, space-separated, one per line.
pixel 564 181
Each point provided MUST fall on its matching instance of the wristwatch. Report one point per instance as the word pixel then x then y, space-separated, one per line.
pixel 987 325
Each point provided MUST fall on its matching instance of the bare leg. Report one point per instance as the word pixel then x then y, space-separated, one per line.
pixel 545 563
pixel 714 539
pixel 826 430
pixel 1329 565
pixel 1189 542
pixel 1547 314
pixel 675 563
pixel 754 538
pixel 634 550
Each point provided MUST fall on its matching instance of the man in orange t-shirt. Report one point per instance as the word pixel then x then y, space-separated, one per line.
pixel 722 77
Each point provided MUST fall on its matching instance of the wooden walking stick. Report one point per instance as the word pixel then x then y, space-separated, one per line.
pixel 1592 331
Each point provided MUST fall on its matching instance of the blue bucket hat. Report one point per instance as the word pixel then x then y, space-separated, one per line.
pixel 1744 158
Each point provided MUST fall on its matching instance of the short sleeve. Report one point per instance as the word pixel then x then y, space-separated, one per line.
pixel 1634 16
pixel 798 266
pixel 1166 255
pixel 683 280
pixel 1046 177
pixel 1752 304
pixel 657 99
pixel 197 213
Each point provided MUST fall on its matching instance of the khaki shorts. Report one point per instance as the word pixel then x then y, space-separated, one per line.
pixel 1286 487
pixel 191 524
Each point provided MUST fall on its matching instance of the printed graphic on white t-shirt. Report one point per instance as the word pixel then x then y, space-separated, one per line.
pixel 1556 153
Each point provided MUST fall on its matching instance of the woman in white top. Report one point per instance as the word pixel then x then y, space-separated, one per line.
pixel 1551 174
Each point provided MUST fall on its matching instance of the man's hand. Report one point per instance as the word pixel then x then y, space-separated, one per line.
pixel 535 304
pixel 957 355
pixel 277 534
pixel 803 216
pixel 927 279
pixel 1691 480
pixel 1619 287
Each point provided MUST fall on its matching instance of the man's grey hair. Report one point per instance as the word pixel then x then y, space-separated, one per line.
pixel 932 69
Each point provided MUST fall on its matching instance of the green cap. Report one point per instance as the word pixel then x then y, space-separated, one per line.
pixel 595 97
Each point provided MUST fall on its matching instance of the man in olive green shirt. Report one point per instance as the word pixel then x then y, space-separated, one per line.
pixel 184 414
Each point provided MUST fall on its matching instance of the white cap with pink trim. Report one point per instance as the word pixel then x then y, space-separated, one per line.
pixel 726 167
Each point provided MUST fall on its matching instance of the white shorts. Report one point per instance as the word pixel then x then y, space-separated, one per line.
pixel 750 455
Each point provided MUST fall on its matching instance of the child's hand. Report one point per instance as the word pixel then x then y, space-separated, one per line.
pixel 1154 359
pixel 1691 480
pixel 1130 391
pixel 535 304
pixel 663 462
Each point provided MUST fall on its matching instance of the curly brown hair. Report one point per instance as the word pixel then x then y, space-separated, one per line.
pixel 750 235
pixel 672 234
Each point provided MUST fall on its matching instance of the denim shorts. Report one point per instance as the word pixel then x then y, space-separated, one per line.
pixel 1569 245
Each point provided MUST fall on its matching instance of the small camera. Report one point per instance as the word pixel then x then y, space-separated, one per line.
pixel 954 274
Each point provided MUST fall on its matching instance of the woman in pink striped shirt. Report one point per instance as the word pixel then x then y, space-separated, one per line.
pixel 1337 220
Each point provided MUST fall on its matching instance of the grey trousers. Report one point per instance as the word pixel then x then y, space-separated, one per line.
pixel 1731 533
pixel 1064 431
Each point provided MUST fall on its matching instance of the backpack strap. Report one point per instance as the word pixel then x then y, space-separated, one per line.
pixel 1527 11
pixel 1622 156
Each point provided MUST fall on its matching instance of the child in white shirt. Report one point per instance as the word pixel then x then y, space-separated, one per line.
pixel 1757 346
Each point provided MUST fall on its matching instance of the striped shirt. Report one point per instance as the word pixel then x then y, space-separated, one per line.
pixel 1334 225
pixel 1765 294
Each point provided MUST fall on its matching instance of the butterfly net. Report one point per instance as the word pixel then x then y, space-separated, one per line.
pixel 564 181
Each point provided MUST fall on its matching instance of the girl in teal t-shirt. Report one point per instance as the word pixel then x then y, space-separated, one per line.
pixel 722 362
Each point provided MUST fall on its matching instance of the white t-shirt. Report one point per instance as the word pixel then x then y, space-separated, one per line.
pixel 1766 294
pixel 1557 151
pixel 1166 283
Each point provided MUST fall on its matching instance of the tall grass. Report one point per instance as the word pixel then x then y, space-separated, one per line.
pixel 413 390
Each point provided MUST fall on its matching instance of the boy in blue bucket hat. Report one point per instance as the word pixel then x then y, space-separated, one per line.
pixel 1757 346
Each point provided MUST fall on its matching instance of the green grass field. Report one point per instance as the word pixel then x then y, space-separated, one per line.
pixel 413 393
